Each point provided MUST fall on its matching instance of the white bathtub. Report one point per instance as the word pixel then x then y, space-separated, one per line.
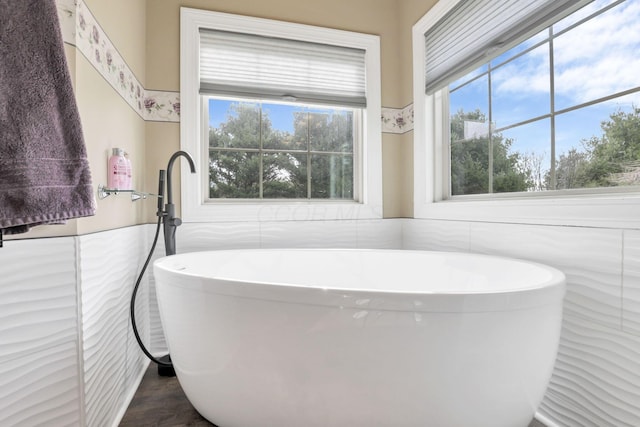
pixel 349 338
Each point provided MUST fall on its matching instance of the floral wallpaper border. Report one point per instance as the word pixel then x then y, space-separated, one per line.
pixel 96 46
pixel 397 120
pixel 81 29
pixel 162 106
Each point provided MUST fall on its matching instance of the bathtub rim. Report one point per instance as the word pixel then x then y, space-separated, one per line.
pixel 550 292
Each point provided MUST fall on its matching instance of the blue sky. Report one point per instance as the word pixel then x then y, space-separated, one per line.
pixel 281 114
pixel 591 61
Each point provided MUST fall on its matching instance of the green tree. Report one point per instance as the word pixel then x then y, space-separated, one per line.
pixel 470 160
pixel 570 170
pixel 608 160
pixel 617 151
pixel 330 139
pixel 236 174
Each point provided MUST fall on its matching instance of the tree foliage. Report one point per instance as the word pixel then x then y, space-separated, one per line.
pixel 611 159
pixel 247 153
pixel 470 159
pixel 316 159
pixel 608 160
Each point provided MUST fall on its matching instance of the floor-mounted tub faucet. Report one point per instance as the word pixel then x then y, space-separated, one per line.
pixel 169 219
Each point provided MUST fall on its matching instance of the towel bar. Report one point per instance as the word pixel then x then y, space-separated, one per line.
pixel 104 192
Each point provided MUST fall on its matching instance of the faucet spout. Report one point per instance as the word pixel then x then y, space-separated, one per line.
pixel 170 166
pixel 169 219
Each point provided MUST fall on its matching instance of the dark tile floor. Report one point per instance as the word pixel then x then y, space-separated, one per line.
pixel 161 402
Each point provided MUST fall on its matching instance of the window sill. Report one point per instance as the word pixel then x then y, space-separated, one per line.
pixel 620 210
pixel 246 211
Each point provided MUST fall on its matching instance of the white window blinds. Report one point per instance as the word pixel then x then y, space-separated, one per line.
pixel 476 30
pixel 252 66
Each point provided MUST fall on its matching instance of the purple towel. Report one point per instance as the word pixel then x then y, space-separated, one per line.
pixel 44 171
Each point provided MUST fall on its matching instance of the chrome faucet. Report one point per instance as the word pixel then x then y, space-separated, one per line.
pixel 169 219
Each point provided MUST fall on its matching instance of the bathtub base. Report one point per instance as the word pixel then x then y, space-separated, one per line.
pixel 313 366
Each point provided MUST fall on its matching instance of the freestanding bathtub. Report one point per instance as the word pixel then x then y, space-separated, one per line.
pixel 350 338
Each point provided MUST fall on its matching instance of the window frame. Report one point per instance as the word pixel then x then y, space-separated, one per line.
pixel 603 207
pixel 369 189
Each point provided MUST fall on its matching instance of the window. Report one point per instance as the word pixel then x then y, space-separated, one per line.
pixel 284 119
pixel 558 111
pixel 551 110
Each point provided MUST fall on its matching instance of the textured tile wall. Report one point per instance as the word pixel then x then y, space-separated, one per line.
pixel 67 352
pixel 631 283
pixel 113 364
pixel 596 381
pixel 45 376
pixel 40 381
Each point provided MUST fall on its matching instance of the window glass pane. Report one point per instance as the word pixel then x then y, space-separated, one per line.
pixel 469 152
pixel 285 176
pixel 234 124
pixel 331 130
pixel 470 166
pixel 520 89
pixel 580 14
pixel 270 144
pixel 599 146
pixel 284 127
pixel 331 176
pixel 464 79
pixel 541 36
pixel 599 57
pixel 234 175
pixel 469 110
pixel 521 157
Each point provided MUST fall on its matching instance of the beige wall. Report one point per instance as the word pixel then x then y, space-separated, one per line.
pixel 124 21
pixel 107 120
pixel 410 11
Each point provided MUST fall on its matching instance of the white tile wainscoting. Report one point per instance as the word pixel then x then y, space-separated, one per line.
pixel 67 353
pixel 40 372
pixel 69 357
pixel 113 365
pixel 596 381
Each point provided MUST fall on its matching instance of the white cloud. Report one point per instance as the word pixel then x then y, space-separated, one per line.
pixel 529 73
pixel 593 60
